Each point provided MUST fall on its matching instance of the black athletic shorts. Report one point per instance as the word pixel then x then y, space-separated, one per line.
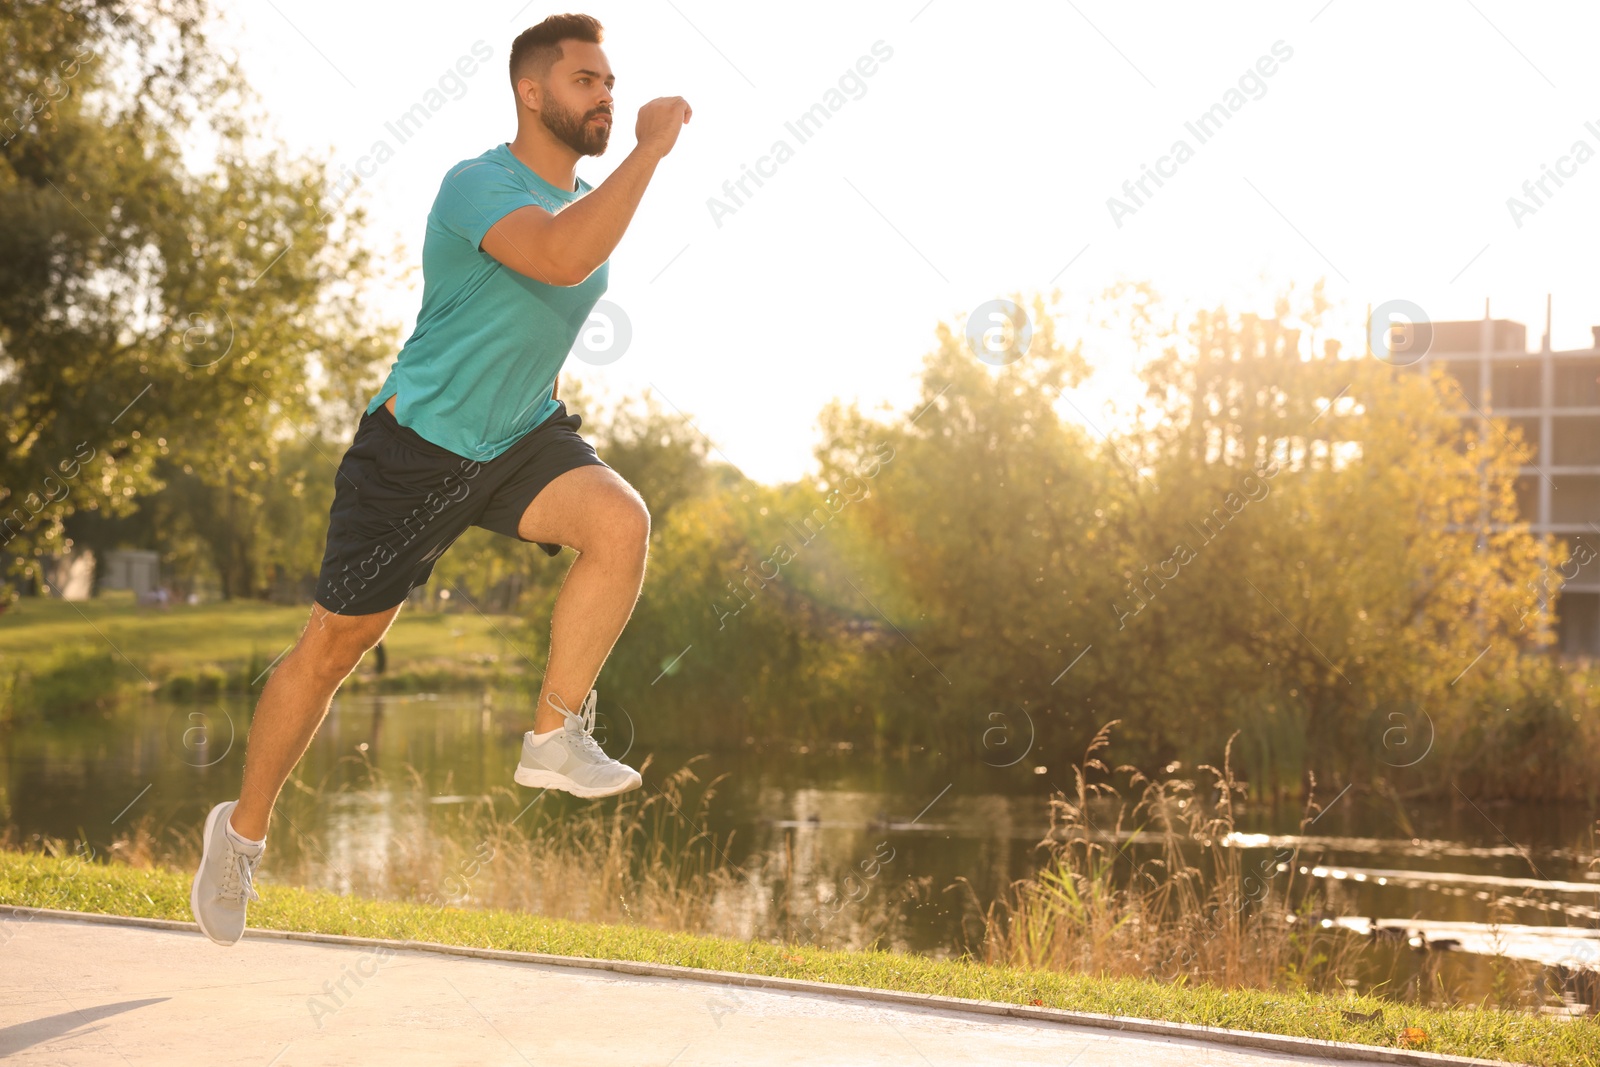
pixel 400 500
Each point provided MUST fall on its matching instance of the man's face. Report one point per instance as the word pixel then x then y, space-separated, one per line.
pixel 576 102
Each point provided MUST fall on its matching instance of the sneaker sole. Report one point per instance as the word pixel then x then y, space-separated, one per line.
pixel 535 779
pixel 194 887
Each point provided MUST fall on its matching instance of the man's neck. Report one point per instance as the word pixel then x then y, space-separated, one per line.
pixel 547 157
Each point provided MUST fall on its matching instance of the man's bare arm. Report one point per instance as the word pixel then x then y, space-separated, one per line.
pixel 565 248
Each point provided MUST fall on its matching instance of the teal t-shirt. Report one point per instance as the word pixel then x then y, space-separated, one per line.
pixel 477 372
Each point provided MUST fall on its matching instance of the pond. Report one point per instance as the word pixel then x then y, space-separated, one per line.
pixel 1512 879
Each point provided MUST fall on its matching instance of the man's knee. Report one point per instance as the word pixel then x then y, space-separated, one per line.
pixel 619 524
pixel 636 522
pixel 334 644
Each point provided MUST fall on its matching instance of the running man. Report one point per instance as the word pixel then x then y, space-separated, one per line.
pixel 467 431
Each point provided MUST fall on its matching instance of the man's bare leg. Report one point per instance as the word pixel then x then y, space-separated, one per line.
pixel 590 509
pixel 293 704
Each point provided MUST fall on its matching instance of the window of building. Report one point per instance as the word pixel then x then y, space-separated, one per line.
pixel 1578 623
pixel 1575 385
pixel 1575 572
pixel 1514 385
pixel 1575 440
pixel 1575 498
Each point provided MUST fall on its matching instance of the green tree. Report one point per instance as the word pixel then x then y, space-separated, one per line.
pixel 149 308
pixel 973 549
pixel 1315 546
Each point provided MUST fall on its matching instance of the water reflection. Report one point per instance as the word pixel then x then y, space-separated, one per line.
pixel 801 821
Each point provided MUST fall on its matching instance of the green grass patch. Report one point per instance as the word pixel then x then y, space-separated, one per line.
pixel 197 651
pixel 74 679
pixel 39 880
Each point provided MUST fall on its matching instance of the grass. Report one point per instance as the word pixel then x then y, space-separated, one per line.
pixel 642 858
pixel 204 648
pixel 1141 881
pixel 68 882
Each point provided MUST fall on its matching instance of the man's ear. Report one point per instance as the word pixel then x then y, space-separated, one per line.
pixel 528 93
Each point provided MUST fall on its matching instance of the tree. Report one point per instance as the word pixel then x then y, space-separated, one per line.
pixel 1320 546
pixel 973 538
pixel 147 308
pixel 1289 543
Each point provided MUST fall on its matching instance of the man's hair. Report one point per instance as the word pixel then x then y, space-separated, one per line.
pixel 537 48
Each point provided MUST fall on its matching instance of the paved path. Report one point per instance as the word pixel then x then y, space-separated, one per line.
pixel 75 992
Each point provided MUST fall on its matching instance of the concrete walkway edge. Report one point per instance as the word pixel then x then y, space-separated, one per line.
pixel 1299 1046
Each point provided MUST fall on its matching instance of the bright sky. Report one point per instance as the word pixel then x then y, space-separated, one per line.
pixel 978 161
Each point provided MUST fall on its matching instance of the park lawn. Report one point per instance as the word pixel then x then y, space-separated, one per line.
pixel 67 882
pixel 233 635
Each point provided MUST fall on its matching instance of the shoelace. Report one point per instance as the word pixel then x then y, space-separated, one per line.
pixel 238 877
pixel 580 727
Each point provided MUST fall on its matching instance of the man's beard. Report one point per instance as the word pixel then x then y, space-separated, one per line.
pixel 575 130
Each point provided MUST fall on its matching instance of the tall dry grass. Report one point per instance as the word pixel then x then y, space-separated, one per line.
pixel 1141 881
pixel 645 857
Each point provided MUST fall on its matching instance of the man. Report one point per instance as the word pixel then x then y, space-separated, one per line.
pixel 467 431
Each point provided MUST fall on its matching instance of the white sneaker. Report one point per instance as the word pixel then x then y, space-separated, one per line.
pixel 570 759
pixel 224 885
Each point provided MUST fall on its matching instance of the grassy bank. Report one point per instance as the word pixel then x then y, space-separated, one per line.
pixel 67 654
pixel 32 879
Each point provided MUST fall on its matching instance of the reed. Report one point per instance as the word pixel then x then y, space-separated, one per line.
pixel 644 858
pixel 1140 881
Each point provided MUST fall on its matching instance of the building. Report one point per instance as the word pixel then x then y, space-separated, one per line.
pixel 131 569
pixel 1554 399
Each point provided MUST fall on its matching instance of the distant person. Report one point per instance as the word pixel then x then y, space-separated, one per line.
pixel 467 431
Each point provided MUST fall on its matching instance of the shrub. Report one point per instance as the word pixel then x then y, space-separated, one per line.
pixel 202 683
pixel 73 680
